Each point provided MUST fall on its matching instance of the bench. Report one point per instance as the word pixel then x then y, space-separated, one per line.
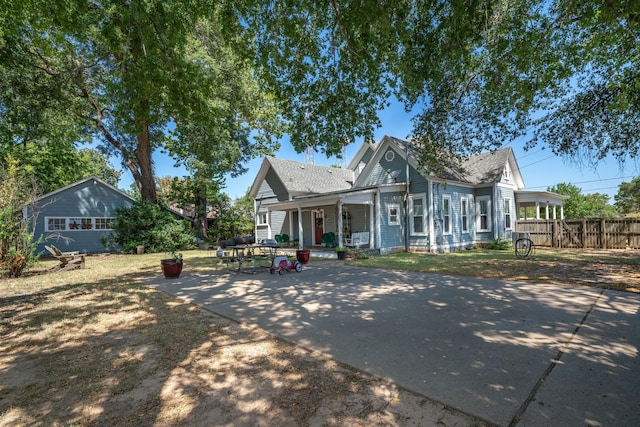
pixel 68 260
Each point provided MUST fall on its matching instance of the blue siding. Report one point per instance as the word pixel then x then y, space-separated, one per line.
pixel 91 199
pixel 392 235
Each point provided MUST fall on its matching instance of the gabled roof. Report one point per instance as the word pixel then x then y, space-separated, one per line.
pixel 481 169
pixel 95 179
pixel 302 178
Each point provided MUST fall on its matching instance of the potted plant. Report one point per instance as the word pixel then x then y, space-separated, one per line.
pixel 342 252
pixel 302 255
pixel 172 267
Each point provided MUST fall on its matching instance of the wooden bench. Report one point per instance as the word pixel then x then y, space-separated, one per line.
pixel 68 260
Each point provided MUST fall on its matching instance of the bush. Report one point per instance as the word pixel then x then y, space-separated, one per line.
pixel 499 245
pixel 17 246
pixel 152 226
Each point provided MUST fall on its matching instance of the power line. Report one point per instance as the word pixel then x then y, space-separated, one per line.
pixel 539 161
pixel 590 181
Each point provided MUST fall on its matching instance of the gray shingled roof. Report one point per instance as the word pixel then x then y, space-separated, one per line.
pixel 483 168
pixel 302 178
pixel 486 168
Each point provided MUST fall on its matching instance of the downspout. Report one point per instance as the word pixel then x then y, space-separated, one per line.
pixel 495 212
pixel 378 221
pixel 406 199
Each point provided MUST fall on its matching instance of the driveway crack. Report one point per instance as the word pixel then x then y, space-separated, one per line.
pixel 554 362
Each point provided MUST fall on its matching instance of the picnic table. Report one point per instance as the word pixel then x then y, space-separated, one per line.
pixel 254 256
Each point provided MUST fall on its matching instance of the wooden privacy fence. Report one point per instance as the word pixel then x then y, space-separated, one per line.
pixel 583 233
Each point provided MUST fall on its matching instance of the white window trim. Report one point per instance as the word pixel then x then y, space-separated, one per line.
pixel 464 215
pixel 397 208
pixel 67 224
pixel 507 202
pixel 259 218
pixel 423 197
pixel 444 216
pixel 478 221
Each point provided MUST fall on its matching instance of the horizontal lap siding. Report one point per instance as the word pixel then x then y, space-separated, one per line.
pixel 87 200
pixel 391 236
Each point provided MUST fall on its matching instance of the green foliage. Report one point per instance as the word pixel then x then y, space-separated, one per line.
pixel 628 197
pixel 152 226
pixel 579 205
pixel 499 245
pixel 17 246
pixel 234 218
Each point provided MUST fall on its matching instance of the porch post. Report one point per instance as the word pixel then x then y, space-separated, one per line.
pixel 537 210
pixel 546 211
pixel 371 225
pixel 269 224
pixel 300 230
pixel 290 225
pixel 561 211
pixel 340 243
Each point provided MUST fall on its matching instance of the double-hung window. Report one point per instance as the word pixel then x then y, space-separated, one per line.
pixel 484 213
pixel 394 214
pixel 464 214
pixel 446 214
pixel 417 208
pixel 507 214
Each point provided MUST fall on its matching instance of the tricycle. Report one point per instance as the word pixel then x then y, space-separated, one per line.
pixel 282 264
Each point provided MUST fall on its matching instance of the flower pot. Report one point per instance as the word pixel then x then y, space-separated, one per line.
pixel 302 256
pixel 140 249
pixel 170 268
pixel 342 255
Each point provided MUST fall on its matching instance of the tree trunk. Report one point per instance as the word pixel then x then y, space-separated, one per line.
pixel 200 202
pixel 146 184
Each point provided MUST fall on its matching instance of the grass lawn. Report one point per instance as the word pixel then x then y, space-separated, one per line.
pixel 98 347
pixel 618 270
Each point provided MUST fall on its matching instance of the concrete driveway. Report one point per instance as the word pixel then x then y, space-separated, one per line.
pixel 507 352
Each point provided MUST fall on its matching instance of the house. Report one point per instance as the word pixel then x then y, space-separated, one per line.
pixel 75 217
pixel 386 202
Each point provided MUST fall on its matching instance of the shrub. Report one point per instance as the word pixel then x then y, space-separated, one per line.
pixel 152 226
pixel 499 244
pixel 17 246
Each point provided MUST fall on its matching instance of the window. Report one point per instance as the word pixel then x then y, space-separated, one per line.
pixel 56 224
pixel 507 214
pixel 446 214
pixel 464 215
pixel 104 223
pixel 394 215
pixel 484 214
pixel 417 207
pixel 78 224
pixel 261 218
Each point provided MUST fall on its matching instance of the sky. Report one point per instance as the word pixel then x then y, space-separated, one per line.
pixel 540 169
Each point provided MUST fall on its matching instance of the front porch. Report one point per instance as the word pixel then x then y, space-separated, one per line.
pixel 322 223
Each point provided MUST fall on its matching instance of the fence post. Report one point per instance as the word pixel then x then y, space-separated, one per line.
pixel 603 234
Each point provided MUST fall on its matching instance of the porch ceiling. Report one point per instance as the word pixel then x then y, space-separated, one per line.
pixel 535 198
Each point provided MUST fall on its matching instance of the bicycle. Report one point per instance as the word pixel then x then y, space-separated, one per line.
pixel 524 247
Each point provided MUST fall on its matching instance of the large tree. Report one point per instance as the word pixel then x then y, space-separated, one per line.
pixel 562 73
pixel 578 205
pixel 628 197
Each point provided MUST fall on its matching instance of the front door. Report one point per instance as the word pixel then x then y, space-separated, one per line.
pixel 318 222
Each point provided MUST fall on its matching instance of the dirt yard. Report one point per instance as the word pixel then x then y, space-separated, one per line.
pixel 95 347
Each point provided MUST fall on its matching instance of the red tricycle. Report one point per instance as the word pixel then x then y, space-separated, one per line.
pixel 282 264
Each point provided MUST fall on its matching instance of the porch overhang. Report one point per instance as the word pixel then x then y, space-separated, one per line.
pixel 361 196
pixel 537 199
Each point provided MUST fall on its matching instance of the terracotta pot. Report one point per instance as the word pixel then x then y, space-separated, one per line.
pixel 170 268
pixel 302 256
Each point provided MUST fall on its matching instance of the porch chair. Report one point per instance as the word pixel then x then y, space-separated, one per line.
pixel 68 260
pixel 329 240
